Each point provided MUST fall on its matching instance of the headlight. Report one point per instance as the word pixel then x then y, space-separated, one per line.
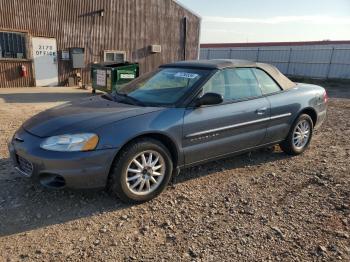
pixel 71 143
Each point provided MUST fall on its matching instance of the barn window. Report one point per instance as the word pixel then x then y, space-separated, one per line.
pixel 114 56
pixel 12 45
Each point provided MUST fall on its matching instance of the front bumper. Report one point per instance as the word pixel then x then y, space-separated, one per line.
pixel 72 169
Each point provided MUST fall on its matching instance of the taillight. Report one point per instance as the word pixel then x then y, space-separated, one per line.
pixel 325 97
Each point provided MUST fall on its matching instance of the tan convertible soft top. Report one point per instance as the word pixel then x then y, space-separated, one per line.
pixel 280 78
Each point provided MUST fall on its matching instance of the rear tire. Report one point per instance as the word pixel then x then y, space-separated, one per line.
pixel 141 171
pixel 299 136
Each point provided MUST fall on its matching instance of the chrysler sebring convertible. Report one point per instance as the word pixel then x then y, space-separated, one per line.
pixel 186 113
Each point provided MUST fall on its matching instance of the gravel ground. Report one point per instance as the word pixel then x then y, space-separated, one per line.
pixel 263 206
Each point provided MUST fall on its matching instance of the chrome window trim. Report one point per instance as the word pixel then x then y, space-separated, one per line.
pixel 237 125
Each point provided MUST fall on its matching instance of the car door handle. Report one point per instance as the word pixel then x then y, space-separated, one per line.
pixel 261 111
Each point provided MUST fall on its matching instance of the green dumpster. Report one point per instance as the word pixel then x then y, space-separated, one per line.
pixel 107 77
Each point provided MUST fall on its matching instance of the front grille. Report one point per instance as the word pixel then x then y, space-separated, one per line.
pixel 25 166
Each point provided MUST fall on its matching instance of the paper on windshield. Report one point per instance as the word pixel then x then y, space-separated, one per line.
pixel 186 75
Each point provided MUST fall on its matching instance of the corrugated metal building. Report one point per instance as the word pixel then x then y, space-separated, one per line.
pixel 317 59
pixel 44 35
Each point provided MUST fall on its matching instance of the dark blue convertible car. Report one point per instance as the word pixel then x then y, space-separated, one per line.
pixel 181 115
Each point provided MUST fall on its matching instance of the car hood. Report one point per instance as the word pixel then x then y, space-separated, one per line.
pixel 82 116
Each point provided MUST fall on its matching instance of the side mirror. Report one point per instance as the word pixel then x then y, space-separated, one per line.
pixel 209 99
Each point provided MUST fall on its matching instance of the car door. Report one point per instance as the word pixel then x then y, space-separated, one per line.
pixel 238 123
pixel 283 107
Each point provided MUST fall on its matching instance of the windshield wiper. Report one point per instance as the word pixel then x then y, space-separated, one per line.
pixel 128 99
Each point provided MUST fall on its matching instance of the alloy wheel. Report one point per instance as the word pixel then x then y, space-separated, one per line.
pixel 145 172
pixel 301 134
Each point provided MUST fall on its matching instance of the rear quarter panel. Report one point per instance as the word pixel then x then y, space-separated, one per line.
pixel 293 101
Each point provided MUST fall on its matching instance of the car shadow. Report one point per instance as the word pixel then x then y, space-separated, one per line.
pixel 254 158
pixel 27 206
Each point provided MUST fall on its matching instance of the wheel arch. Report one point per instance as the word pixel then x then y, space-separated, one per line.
pixel 166 140
pixel 310 112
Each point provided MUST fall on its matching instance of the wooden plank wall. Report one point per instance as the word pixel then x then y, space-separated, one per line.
pixel 127 25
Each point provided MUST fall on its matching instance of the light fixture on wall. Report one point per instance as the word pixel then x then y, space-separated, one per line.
pixel 155 49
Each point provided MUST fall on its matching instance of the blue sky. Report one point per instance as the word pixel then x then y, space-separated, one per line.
pixel 272 20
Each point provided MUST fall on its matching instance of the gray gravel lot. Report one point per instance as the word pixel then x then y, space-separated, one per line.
pixel 263 206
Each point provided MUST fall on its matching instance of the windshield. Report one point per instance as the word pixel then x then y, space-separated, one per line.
pixel 165 86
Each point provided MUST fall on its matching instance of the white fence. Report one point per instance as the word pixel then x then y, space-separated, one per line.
pixel 302 61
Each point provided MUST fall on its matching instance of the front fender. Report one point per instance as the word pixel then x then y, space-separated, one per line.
pixel 168 122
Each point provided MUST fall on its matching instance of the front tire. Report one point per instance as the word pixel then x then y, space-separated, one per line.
pixel 141 171
pixel 299 136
